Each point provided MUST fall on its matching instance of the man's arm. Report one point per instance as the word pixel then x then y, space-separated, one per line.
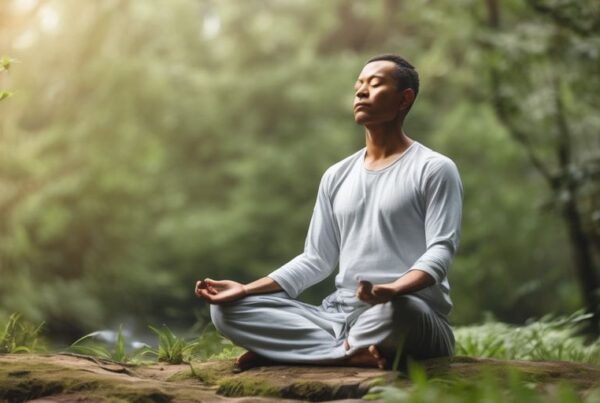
pixel 218 292
pixel 321 248
pixel 319 259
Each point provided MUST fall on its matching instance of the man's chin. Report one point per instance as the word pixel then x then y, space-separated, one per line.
pixel 360 119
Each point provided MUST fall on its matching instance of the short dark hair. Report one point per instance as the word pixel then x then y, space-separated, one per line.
pixel 405 74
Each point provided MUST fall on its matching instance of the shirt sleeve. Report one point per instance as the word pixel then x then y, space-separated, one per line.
pixel 321 248
pixel 443 196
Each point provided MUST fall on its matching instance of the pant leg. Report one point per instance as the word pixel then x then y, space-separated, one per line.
pixel 281 328
pixel 407 322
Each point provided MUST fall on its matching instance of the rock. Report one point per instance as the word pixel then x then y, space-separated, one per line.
pixel 66 378
pixel 313 383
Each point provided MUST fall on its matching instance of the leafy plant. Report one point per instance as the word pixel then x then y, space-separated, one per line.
pixel 170 347
pixel 19 336
pixel 489 387
pixel 550 338
pixel 86 345
pixel 175 350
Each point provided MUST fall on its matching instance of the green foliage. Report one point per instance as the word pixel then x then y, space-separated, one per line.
pixel 490 387
pixel 123 180
pixel 209 345
pixel 20 336
pixel 550 338
pixel 118 353
pixel 170 347
pixel 5 63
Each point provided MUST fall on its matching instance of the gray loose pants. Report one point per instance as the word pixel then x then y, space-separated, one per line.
pixel 287 330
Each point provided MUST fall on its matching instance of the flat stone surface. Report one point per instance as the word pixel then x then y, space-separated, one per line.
pixel 67 378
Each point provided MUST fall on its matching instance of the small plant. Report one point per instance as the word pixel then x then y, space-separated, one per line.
pixel 170 347
pixel 210 345
pixel 19 336
pixel 86 345
pixel 175 350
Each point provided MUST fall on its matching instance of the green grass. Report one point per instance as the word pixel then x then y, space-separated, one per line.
pixel 550 338
pixel 170 348
pixel 489 388
pixel 86 345
pixel 20 336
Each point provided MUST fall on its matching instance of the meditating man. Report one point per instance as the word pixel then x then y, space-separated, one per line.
pixel 389 215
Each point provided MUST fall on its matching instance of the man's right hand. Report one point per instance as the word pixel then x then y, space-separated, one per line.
pixel 218 292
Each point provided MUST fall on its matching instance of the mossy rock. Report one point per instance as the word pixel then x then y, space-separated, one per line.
pixel 312 383
pixel 330 383
pixel 63 378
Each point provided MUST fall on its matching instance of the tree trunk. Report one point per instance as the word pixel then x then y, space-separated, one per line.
pixel 579 240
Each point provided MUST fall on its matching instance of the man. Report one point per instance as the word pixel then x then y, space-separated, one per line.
pixel 390 216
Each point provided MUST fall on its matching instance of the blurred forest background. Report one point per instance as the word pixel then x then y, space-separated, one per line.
pixel 149 144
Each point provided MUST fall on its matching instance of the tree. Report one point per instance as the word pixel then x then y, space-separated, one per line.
pixel 543 82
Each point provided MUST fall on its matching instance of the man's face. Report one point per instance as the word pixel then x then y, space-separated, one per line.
pixel 376 97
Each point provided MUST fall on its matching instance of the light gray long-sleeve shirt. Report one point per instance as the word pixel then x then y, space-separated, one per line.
pixel 380 224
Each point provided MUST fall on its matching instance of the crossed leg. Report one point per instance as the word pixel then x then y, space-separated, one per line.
pixel 277 328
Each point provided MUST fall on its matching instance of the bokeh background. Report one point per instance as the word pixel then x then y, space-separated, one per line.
pixel 148 144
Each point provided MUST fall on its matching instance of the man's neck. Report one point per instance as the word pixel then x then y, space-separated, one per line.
pixel 385 141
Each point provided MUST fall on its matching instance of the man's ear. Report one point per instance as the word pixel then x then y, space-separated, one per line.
pixel 408 97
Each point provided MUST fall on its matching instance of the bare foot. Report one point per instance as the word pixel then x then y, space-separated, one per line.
pixel 367 357
pixel 249 360
pixel 375 353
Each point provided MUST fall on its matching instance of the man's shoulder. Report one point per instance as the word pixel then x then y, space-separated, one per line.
pixel 431 161
pixel 335 174
pixel 343 165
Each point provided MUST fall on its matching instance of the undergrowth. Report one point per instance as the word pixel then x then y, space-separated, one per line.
pixel 489 388
pixel 549 338
pixel 20 336
pixel 170 348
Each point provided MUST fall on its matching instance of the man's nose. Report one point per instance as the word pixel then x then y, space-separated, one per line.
pixel 362 92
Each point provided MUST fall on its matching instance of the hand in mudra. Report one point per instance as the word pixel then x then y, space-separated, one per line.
pixel 375 294
pixel 218 292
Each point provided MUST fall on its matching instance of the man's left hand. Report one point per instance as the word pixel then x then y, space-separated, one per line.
pixel 375 294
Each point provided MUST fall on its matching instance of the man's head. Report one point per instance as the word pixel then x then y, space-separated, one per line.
pixel 385 90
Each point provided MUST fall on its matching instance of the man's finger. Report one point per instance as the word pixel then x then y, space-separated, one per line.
pixel 217 283
pixel 205 295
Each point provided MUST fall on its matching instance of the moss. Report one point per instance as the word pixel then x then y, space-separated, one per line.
pixel 247 386
pixel 313 391
pixel 211 372
pixel 149 396
pixel 30 377
pixel 237 386
pixel 182 376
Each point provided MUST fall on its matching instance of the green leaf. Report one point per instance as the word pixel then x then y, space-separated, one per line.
pixel 6 62
pixel 5 94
